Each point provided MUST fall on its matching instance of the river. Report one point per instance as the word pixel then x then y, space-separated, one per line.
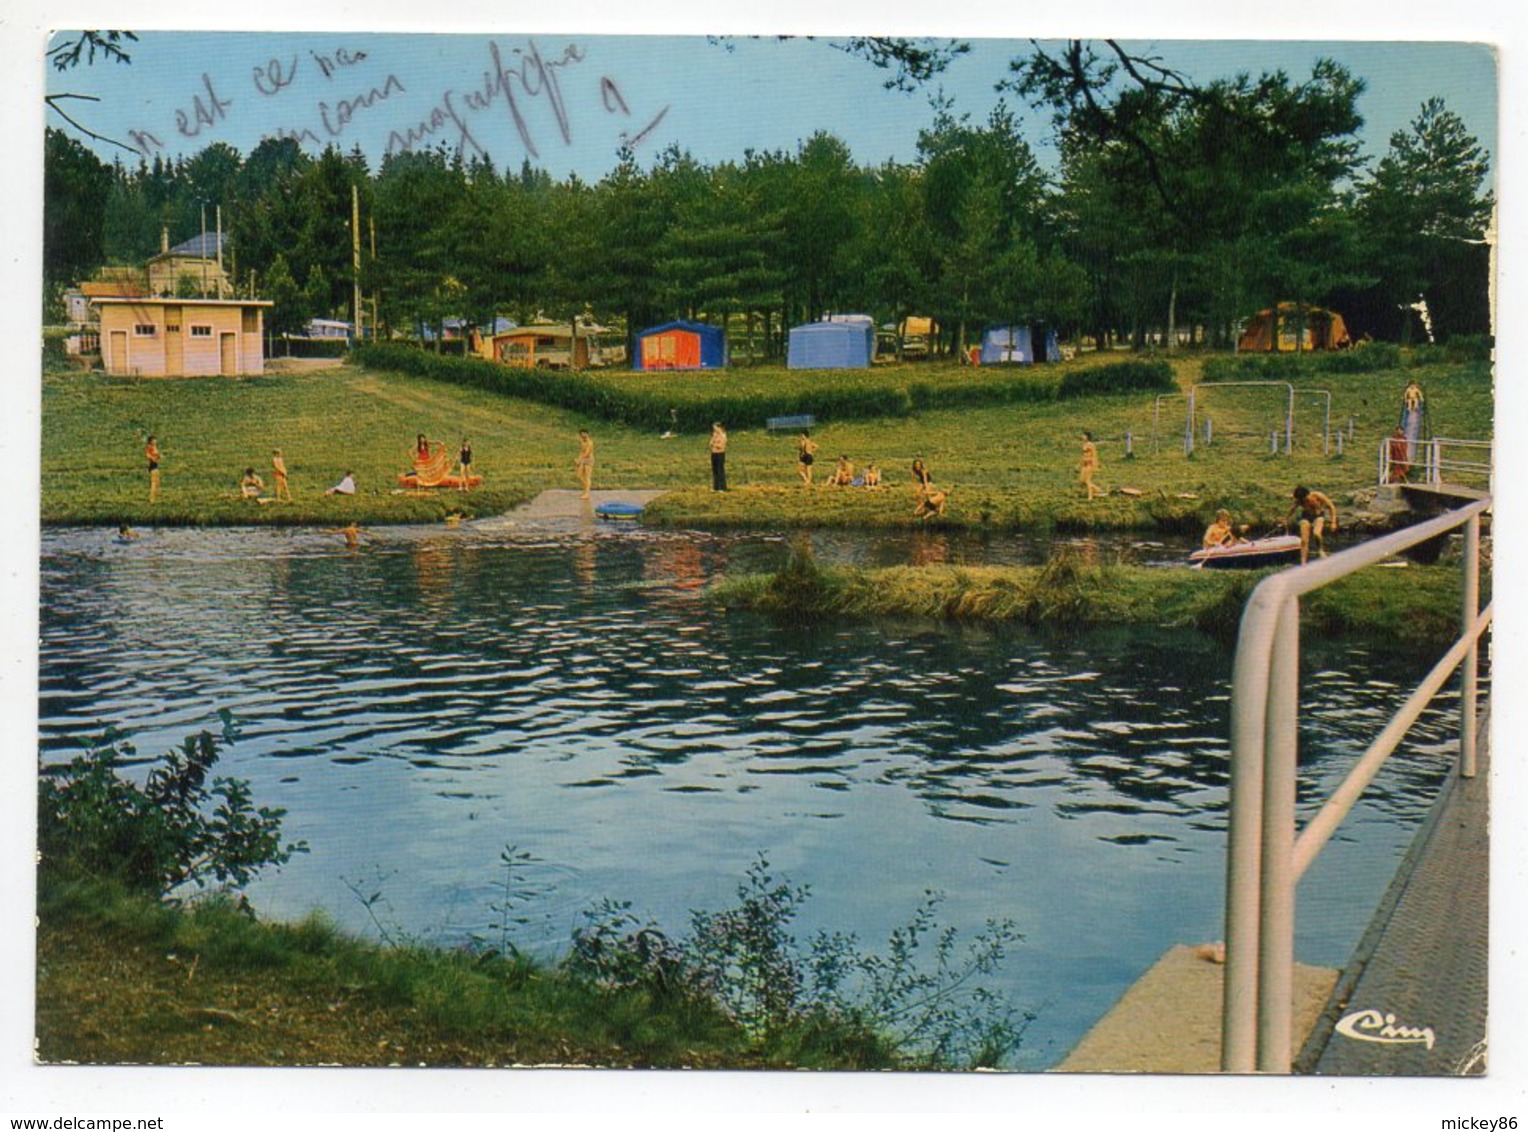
pixel 439 694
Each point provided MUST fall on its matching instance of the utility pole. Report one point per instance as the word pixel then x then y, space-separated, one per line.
pixel 371 223
pixel 355 254
pixel 201 246
pixel 220 250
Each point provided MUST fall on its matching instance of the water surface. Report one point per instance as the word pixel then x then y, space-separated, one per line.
pixel 423 702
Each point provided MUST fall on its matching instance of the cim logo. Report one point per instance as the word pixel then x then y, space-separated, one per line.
pixel 1377 1026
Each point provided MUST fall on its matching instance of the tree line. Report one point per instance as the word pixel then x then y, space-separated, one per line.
pixel 1174 211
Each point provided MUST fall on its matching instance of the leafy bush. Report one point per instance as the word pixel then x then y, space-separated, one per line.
pixel 690 402
pixel 920 995
pixel 1367 357
pixel 1119 377
pixel 174 829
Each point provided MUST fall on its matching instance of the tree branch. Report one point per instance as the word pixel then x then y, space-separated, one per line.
pixel 52 101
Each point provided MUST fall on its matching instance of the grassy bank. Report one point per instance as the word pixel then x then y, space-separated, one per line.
pixel 1416 605
pixel 1008 464
pixel 125 979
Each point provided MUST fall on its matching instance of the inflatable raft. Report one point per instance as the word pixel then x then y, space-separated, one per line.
pixel 616 510
pixel 1257 554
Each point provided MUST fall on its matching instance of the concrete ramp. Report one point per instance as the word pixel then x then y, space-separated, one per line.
pixel 564 506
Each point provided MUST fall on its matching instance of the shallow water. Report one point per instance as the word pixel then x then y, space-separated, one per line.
pixel 420 704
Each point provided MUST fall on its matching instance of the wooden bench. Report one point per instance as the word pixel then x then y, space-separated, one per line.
pixel 793 423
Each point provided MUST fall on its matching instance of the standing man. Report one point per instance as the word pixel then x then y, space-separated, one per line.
pixel 1089 466
pixel 585 462
pixel 283 486
pixel 151 453
pixel 718 457
pixel 1313 507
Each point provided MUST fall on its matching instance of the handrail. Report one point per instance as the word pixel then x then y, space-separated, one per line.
pixel 1265 858
pixel 1429 457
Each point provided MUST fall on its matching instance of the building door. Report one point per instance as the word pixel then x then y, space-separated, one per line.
pixel 118 361
pixel 230 355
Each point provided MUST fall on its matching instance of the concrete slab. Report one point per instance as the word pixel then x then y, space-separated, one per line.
pixel 1169 1021
pixel 562 504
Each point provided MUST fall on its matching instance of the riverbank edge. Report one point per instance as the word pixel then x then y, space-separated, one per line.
pixel 127 979
pixel 1412 606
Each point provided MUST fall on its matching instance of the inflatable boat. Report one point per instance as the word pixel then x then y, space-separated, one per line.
pixel 1256 554
pixel 617 510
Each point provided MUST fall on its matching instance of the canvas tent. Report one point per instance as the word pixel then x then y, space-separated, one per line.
pixel 1018 344
pixel 831 345
pixel 681 345
pixel 1279 330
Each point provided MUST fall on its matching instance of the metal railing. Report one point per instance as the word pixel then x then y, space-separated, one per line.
pixel 1443 460
pixel 1266 857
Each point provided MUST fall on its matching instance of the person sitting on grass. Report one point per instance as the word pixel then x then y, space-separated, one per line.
pixel 251 486
pixel 346 486
pixel 872 476
pixel 1220 532
pixel 930 503
pixel 843 474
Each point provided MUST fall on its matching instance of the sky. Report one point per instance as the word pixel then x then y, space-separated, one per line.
pixel 771 103
pixel 567 101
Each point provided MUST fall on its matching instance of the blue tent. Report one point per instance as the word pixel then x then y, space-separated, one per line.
pixel 1019 344
pixel 681 345
pixel 831 345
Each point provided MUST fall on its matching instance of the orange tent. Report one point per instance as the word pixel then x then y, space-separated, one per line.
pixel 1280 330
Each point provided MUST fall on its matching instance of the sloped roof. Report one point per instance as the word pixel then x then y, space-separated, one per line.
pixel 204 246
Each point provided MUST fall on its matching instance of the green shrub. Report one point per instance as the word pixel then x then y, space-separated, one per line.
pixel 1119 377
pixel 920 996
pixel 172 830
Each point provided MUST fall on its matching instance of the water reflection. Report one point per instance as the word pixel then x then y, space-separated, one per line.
pixel 420 704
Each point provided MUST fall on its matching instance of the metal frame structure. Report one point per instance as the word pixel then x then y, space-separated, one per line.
pixel 1436 459
pixel 1289 412
pixel 1266 857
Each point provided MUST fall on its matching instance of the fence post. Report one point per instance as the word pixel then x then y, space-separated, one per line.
pixel 1129 445
pixel 1469 679
pixel 1273 443
pixel 1209 431
pixel 1276 944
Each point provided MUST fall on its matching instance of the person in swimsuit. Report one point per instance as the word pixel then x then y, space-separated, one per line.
pixel 872 476
pixel 351 532
pixel 718 449
pixel 1221 532
pixel 1313 508
pixel 930 503
pixel 843 473
pixel 806 455
pixel 1089 466
pixel 151 453
pixel 921 478
pixel 251 485
pixel 585 461
pixel 464 459
pixel 278 466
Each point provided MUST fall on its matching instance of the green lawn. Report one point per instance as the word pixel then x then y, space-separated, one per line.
pixel 1007 465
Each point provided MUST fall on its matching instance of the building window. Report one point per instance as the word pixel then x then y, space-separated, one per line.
pixel 201 330
pixel 145 330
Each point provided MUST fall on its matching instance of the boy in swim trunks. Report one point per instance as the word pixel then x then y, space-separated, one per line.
pixel 1312 507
